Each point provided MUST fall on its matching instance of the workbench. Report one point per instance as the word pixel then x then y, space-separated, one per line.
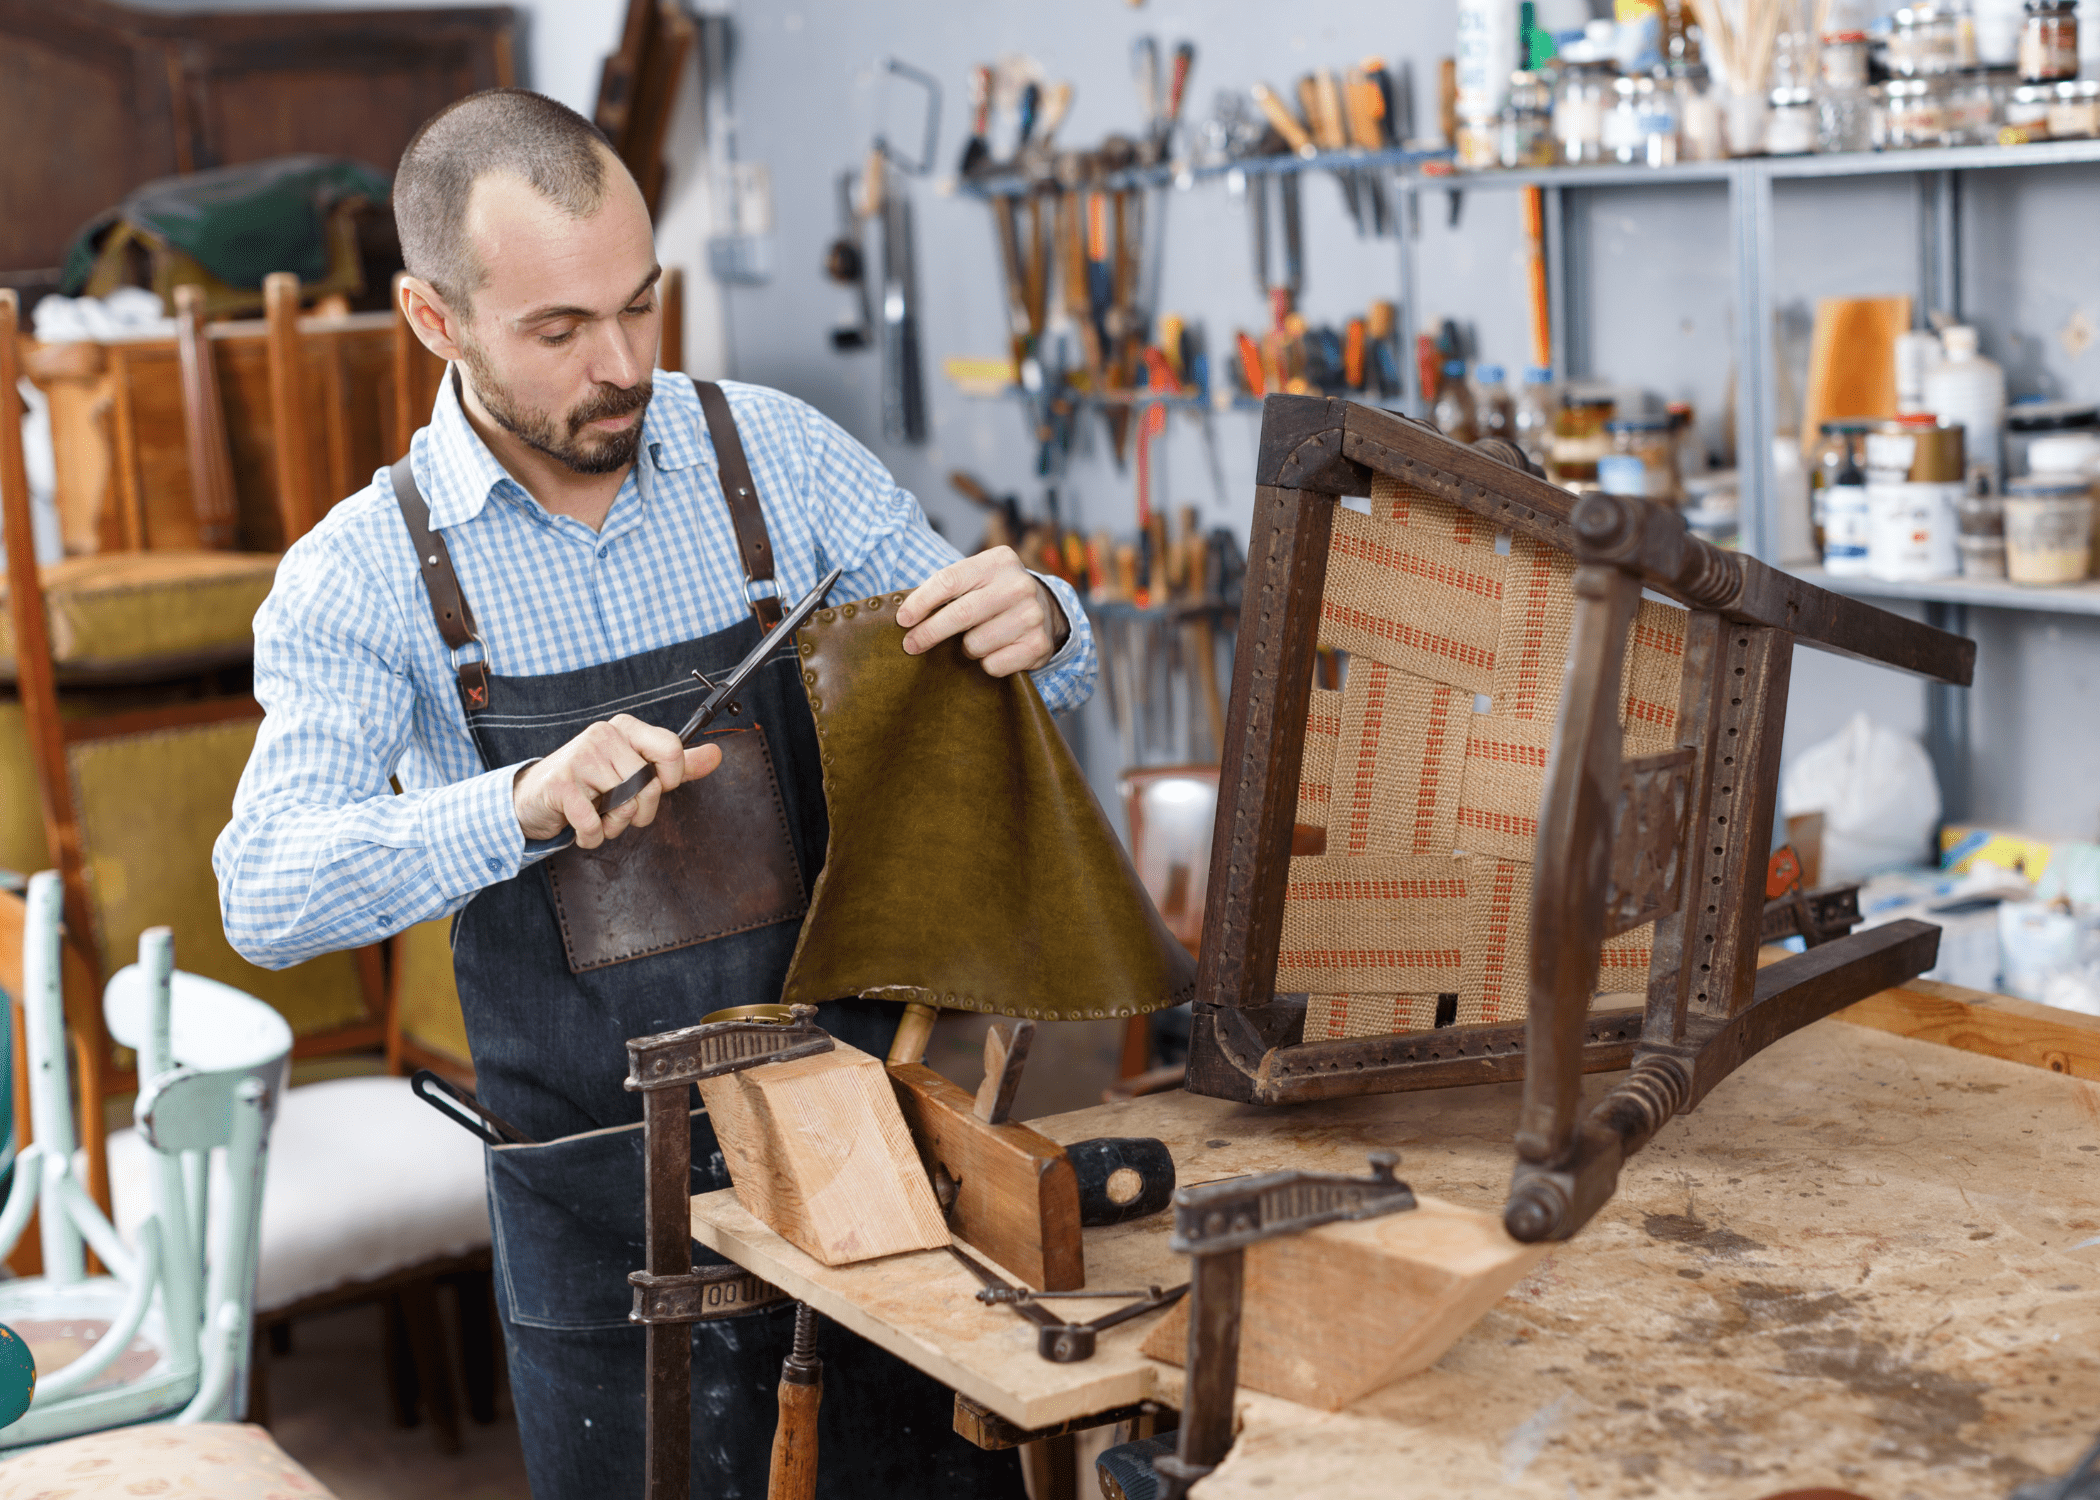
pixel 1867 1260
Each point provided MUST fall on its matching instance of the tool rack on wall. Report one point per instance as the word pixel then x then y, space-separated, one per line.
pixel 1751 184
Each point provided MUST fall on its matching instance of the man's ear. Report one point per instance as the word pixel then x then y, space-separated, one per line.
pixel 432 319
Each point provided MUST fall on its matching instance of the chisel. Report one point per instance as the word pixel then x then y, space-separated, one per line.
pixel 720 695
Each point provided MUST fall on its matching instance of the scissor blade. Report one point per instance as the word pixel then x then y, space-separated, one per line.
pixel 728 687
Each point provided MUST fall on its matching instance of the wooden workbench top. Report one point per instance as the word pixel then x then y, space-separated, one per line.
pixel 1865 1261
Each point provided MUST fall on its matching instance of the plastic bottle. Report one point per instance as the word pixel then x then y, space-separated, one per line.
pixel 1965 387
pixel 1453 414
pixel 1491 401
pixel 1531 427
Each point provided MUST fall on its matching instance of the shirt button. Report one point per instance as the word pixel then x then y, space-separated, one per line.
pixel 494 863
pixel 603 550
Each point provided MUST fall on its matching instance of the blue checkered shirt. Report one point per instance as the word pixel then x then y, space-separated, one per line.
pixel 321 854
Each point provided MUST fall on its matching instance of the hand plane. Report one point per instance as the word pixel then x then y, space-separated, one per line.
pixel 1012 1193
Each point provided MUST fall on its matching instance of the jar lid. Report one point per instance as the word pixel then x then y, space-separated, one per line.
pixel 2048 7
pixel 1913 421
pixel 1638 424
pixel 2051 416
pixel 1844 38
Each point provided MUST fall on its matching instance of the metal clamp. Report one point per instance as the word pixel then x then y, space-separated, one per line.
pixel 671 1059
pixel 700 1297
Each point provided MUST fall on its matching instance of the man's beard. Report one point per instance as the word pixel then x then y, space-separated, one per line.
pixel 567 440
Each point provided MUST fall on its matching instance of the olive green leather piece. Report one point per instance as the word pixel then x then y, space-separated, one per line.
pixel 969 865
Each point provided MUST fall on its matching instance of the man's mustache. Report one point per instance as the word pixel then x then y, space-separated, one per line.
pixel 610 401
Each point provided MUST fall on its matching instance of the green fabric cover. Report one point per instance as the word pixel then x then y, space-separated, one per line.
pixel 241 223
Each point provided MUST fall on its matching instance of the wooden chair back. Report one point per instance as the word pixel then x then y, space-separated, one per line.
pixel 346 394
pixel 132 793
pixel 1532 776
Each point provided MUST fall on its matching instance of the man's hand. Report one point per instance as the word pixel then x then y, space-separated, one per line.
pixel 556 793
pixel 1005 616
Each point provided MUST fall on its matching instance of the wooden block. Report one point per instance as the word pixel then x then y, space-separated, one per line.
pixel 1005 1050
pixel 818 1151
pixel 1017 1200
pixel 2002 1026
pixel 1337 1312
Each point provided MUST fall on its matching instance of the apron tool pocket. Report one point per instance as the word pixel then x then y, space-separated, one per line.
pixel 567 1224
pixel 717 860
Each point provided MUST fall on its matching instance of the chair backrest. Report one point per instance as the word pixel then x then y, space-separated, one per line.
pixel 213 1064
pixel 1550 773
pixel 343 400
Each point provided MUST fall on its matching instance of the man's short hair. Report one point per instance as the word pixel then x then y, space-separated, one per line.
pixel 558 151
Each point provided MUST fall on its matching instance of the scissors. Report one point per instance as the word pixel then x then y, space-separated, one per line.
pixel 719 697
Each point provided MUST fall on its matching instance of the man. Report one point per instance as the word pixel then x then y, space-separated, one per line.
pixel 507 622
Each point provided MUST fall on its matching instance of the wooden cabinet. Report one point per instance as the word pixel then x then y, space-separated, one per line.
pixel 97 98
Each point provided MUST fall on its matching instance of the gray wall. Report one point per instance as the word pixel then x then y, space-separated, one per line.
pixel 1660 299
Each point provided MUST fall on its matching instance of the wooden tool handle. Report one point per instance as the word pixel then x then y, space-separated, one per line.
pixel 794 1472
pixel 1279 114
pixel 913 1032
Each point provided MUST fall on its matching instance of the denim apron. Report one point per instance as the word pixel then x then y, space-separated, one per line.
pixel 549 1051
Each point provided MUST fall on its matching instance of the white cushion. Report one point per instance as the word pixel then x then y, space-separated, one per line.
pixel 364 1179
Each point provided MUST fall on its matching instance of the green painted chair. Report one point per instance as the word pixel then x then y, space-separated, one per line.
pixel 165 1334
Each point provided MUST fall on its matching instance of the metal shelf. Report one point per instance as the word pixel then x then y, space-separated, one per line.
pixel 1980 593
pixel 1947 159
pixel 1599 176
pixel 1008 183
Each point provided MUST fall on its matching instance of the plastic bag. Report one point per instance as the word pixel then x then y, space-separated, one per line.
pixel 1878 795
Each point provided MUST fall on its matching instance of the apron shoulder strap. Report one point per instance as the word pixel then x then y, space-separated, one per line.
pixel 753 544
pixel 455 622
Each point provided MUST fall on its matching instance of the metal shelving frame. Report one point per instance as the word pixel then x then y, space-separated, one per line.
pixel 1751 184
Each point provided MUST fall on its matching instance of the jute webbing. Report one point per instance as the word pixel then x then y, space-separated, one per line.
pixel 1653 676
pixel 1382 926
pixel 1505 778
pixel 1396 771
pixel 1538 612
pixel 1416 597
pixel 1323 732
pixel 1333 1017
pixel 1428 769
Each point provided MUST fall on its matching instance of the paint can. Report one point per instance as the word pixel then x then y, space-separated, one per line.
pixel 1914 480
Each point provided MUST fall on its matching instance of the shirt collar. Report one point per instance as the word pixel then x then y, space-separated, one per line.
pixel 458 474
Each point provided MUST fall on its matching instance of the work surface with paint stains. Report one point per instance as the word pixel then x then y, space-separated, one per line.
pixel 1864 1261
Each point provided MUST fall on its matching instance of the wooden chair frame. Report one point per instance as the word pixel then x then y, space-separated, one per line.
pixel 1695 819
pixel 38 679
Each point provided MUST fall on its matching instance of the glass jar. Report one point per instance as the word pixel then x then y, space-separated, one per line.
pixel 2049 41
pixel 1790 128
pixel 1836 461
pixel 1454 413
pixel 1579 438
pixel 1913 113
pixel 2027 115
pixel 1642 460
pixel 1699 135
pixel 1923 41
pixel 1534 421
pixel 1971 109
pixel 1585 97
pixel 1844 108
pixel 1641 129
pixel 2075 112
pixel 1527 122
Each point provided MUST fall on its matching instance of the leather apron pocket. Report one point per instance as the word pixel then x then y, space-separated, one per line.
pixel 717 860
pixel 567 1224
